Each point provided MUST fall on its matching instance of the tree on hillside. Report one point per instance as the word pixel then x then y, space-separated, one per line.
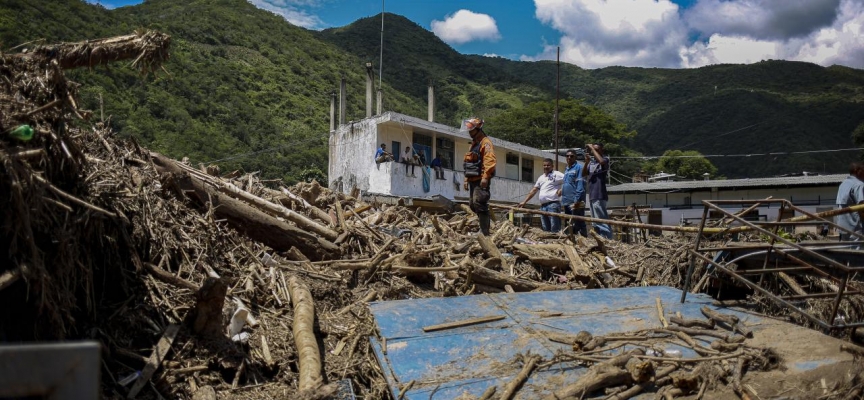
pixel 688 164
pixel 578 124
pixel 858 137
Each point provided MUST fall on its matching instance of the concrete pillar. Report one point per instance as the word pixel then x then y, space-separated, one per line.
pixel 431 102
pixel 332 111
pixel 343 97
pixel 370 78
pixel 380 102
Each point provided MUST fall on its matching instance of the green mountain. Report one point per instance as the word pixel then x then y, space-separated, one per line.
pixel 248 89
pixel 767 107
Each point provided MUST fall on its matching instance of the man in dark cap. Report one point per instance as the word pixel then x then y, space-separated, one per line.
pixel 596 172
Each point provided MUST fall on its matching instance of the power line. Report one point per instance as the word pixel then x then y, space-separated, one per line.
pixel 720 135
pixel 782 153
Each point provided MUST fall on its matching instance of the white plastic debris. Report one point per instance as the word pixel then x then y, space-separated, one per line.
pixel 238 321
pixel 242 337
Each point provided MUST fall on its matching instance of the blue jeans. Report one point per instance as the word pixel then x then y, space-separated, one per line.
pixel 551 224
pixel 598 210
pixel 576 225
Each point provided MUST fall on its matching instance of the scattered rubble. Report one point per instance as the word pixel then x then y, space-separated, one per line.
pixel 204 285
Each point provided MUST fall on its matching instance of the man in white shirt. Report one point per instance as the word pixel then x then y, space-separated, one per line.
pixel 409 158
pixel 548 185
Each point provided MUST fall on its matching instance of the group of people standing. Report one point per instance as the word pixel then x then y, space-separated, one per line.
pixel 584 180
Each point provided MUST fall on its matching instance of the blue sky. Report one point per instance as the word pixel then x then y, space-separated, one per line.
pixel 599 33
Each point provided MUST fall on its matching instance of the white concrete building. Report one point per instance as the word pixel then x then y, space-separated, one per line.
pixel 352 162
pixel 682 200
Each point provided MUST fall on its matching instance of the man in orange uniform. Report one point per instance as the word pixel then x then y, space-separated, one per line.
pixel 479 166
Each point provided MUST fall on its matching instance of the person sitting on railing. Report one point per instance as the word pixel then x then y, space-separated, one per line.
pixel 409 158
pixel 436 165
pixel 381 155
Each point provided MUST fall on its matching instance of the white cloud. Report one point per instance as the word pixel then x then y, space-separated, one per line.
pixel 292 11
pixel 840 43
pixel 599 33
pixel 465 26
pixel 656 33
pixel 761 19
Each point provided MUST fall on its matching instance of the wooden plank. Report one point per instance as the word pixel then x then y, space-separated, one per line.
pixel 155 359
pixel 580 271
pixel 465 322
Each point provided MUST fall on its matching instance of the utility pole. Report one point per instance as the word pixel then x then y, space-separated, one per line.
pixel 557 88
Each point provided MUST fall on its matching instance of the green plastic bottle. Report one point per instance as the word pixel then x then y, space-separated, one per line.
pixel 23 133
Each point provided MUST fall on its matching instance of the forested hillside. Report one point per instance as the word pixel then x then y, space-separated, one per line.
pixel 767 107
pixel 248 89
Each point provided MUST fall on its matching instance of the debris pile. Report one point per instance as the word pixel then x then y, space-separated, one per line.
pixel 199 283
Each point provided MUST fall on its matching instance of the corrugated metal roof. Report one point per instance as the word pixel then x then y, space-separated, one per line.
pixel 812 180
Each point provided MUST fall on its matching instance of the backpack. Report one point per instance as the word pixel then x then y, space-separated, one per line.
pixel 473 162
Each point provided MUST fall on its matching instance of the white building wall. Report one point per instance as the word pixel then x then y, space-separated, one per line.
pixel 353 146
pixel 811 199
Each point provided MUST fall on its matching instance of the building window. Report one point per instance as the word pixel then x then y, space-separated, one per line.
pixel 396 150
pixel 444 147
pixel 423 147
pixel 511 168
pixel 527 170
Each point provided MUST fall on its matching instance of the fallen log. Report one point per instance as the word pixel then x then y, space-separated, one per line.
pixel 514 385
pixel 580 272
pixel 492 278
pixel 705 332
pixel 308 357
pixel 599 376
pixel 691 323
pixel 149 49
pixel 155 359
pixel 636 389
pixel 318 213
pixel 208 308
pixel 726 321
pixel 255 223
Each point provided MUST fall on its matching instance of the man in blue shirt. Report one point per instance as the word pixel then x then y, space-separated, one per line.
pixel 381 155
pixel 596 172
pixel 573 193
pixel 850 193
pixel 436 165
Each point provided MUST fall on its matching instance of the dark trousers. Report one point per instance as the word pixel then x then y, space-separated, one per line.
pixel 479 202
pixel 576 225
pixel 439 172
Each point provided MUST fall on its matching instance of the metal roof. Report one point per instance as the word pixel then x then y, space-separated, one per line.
pixel 812 180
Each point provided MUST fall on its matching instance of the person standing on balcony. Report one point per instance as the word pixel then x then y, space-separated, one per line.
pixel 409 158
pixel 596 172
pixel 479 165
pixel 573 193
pixel 549 186
pixel 850 193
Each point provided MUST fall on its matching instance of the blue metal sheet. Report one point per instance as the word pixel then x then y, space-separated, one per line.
pixel 445 364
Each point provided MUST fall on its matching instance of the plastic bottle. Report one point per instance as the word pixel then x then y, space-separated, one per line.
pixel 22 133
